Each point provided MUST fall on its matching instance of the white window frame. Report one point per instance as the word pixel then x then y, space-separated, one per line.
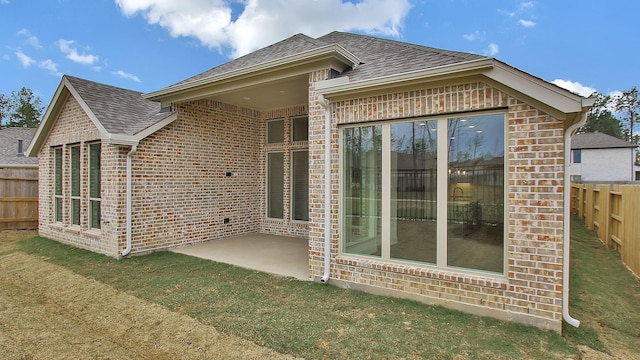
pixel 58 175
pixel 266 193
pixel 442 196
pixel 284 137
pixel 293 121
pixel 292 187
pixel 92 200
pixel 72 197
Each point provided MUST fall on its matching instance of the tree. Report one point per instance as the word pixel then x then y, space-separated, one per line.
pixel 22 109
pixel 601 119
pixel 3 106
pixel 628 105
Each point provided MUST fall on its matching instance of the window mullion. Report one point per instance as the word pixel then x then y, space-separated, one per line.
pixel 442 200
pixel 386 192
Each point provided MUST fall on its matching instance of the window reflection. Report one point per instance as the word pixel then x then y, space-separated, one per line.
pixel 475 230
pixel 414 191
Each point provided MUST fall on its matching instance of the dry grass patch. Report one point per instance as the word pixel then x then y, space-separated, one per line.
pixel 306 319
pixel 50 312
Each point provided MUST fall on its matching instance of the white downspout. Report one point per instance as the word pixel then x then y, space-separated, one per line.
pixel 327 188
pixel 126 251
pixel 567 220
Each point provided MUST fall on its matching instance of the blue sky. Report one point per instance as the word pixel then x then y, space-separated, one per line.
pixel 145 45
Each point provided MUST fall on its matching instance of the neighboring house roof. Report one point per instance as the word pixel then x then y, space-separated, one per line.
pixel 598 140
pixel 364 64
pixel 122 116
pixel 9 138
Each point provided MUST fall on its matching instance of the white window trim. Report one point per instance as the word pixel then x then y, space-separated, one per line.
pixel 61 195
pixel 298 142
pixel 89 198
pixel 71 196
pixel 291 189
pixel 442 196
pixel 266 132
pixel 266 185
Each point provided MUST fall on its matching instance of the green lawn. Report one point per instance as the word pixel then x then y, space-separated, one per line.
pixel 317 321
pixel 605 296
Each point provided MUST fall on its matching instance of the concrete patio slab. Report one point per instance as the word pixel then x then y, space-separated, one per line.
pixel 279 255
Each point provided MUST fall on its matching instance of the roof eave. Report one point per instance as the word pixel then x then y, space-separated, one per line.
pixel 132 140
pixel 552 99
pixel 556 101
pixel 54 108
pixel 19 166
pixel 53 111
pixel 334 51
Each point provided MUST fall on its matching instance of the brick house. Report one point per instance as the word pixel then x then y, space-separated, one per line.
pixel 439 175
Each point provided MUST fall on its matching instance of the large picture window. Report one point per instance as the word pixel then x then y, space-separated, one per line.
pixel 362 186
pixel 94 186
pixel 428 191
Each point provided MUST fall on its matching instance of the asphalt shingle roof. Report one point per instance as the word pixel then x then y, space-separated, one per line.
pixel 120 111
pixel 598 141
pixel 380 57
pixel 294 45
pixel 9 146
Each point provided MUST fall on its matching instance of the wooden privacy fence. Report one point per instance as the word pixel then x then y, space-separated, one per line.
pixel 18 198
pixel 612 211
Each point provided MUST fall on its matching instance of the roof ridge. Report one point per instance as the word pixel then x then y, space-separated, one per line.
pixel 460 54
pixel 101 84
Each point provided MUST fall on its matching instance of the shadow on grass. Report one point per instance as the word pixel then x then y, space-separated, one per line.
pixel 304 318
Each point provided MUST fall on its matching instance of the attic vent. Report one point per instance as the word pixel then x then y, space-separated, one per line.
pixel 20 151
pixel 165 108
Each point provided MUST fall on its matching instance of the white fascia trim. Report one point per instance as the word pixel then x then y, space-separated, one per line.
pixel 19 166
pixel 335 87
pixel 36 143
pixel 551 95
pixel 85 107
pixel 157 126
pixel 337 50
pixel 133 140
pixel 117 139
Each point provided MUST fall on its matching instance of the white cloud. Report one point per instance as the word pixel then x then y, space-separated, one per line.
pixel 261 23
pixel 6 57
pixel 477 35
pixel 126 75
pixel 574 87
pixel 525 5
pixel 527 23
pixel 31 40
pixel 508 13
pixel 4 1
pixel 492 50
pixel 51 66
pixel 72 54
pixel 25 60
pixel 522 7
